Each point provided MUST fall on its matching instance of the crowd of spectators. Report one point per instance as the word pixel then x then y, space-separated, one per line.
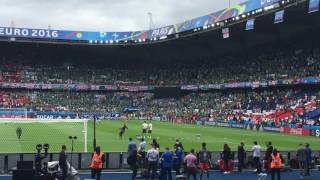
pixel 274 65
pixel 271 107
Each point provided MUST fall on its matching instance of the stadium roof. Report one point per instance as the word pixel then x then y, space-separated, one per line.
pixel 216 20
pixel 104 15
pixel 204 45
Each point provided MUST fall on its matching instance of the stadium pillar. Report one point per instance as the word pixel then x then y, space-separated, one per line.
pixel 94 132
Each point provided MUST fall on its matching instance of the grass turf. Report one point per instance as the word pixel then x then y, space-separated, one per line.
pixel 191 136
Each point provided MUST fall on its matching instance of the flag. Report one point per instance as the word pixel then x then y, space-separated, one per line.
pixel 225 32
pixel 278 18
pixel 314 5
pixel 250 24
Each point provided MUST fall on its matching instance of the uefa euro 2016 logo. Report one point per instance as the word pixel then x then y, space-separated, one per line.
pixel 79 35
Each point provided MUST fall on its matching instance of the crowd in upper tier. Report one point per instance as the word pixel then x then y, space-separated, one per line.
pixel 272 107
pixel 273 65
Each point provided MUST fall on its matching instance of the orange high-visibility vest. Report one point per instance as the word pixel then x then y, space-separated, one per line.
pixel 96 162
pixel 276 161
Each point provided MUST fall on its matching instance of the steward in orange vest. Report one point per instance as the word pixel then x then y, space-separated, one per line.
pixel 98 159
pixel 276 162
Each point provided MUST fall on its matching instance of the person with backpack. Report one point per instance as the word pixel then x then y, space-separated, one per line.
pixel 205 160
pixel 132 161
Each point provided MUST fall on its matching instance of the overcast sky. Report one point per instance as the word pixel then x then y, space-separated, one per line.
pixel 104 15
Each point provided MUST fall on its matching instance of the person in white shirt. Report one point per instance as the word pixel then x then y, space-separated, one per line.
pixel 144 129
pixel 256 149
pixel 149 129
pixel 152 158
pixel 142 145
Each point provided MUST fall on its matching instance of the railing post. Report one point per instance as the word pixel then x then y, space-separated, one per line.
pixel 107 156
pixel 121 160
pixel 79 160
pixel 6 161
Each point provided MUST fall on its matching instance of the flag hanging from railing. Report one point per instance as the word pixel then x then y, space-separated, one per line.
pixel 314 5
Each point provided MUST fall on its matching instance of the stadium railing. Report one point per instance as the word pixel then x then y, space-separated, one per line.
pixel 117 160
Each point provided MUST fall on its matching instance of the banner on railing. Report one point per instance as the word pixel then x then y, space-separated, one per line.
pixel 271 129
pixel 295 131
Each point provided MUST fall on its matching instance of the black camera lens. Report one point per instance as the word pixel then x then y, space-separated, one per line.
pixel 39 147
pixel 46 146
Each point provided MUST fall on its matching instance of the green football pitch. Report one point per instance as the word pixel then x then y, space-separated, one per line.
pixel 191 136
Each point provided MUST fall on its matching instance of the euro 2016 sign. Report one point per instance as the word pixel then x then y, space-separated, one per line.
pixel 24 32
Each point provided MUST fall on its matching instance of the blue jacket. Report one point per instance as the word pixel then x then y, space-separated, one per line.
pixel 309 154
pixel 132 146
pixel 167 159
pixel 178 157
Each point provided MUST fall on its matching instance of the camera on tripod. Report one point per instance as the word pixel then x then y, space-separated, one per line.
pixel 39 171
pixel 45 147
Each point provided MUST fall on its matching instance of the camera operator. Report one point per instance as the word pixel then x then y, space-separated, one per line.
pixel 63 162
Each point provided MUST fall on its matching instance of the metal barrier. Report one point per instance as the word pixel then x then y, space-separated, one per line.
pixel 114 160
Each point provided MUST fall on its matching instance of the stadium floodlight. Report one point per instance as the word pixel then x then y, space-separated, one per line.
pixel 217 23
pixel 237 18
pixel 111 41
pixel 95 41
pixel 106 41
pixel 125 41
pixel 139 40
pixel 259 10
pixel 117 41
pixel 243 16
pixel 90 41
pixel 163 37
pixel 101 42
pixel 205 27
